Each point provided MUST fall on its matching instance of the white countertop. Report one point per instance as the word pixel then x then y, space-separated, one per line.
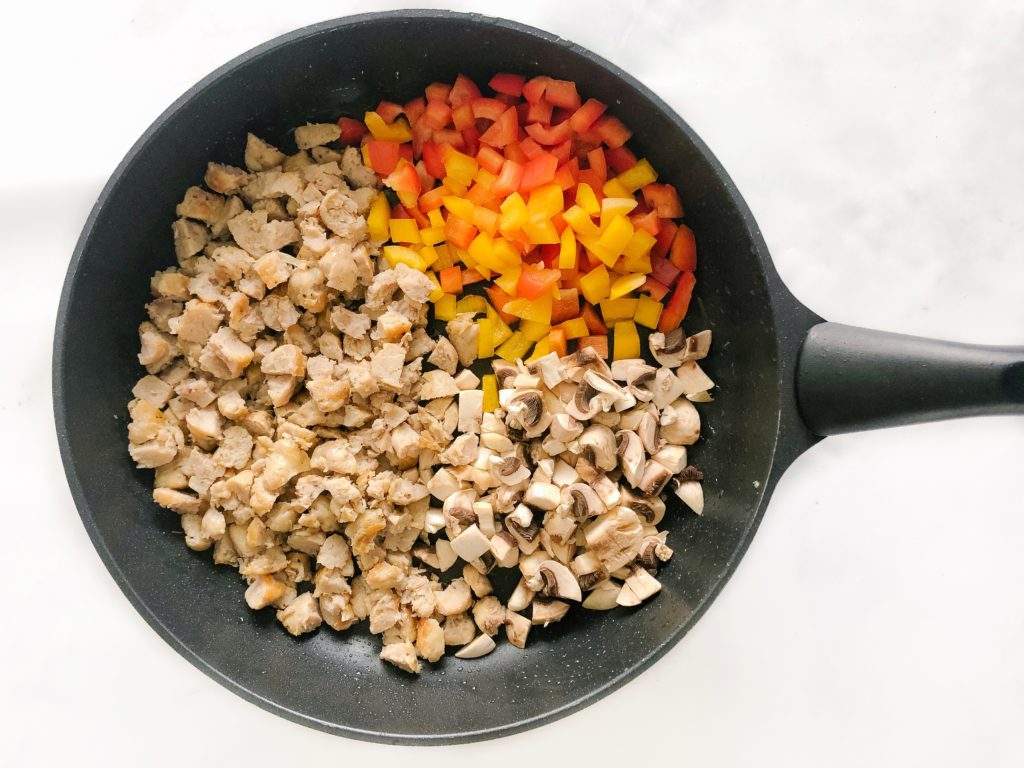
pixel 878 617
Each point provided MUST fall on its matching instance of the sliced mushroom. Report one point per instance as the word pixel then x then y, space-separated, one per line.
pixel 554 579
pixel 597 445
pixel 692 379
pixel 581 501
pixel 517 628
pixel 632 457
pixel 479 646
pixel 446 556
pixel 589 570
pixel 525 409
pixel 564 427
pixel 471 543
pixel 680 423
pixel 505 549
pixel 640 382
pixel 608 491
pixel 477 581
pixel 692 494
pixel 603 596
pixel 543 496
pixel 653 550
pixel 673 349
pixel 642 583
pixel 583 360
pixel 510 470
pixel 655 479
pixel 526 536
pixel 458 511
pixel 647 430
pixel 504 372
pixel 620 368
pixel 626 597
pixel 615 537
pixel 666 388
pixel 521 596
pixel 650 509
pixel 671 457
pixel 548 611
pixel 489 614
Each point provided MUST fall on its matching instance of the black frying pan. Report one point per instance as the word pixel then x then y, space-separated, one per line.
pixel 785 379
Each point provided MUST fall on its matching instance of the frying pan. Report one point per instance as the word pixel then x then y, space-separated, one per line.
pixel 785 377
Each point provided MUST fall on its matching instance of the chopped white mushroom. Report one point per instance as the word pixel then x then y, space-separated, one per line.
pixel 480 646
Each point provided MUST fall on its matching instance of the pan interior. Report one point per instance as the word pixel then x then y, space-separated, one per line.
pixel 335 681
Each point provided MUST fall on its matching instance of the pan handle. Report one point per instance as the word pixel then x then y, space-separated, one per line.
pixel 850 379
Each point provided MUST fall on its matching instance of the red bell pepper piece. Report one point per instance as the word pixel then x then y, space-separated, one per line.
pixel 563 151
pixel 540 111
pixel 412 212
pixel 598 343
pixel 664 199
pixel 664 237
pixel 405 151
pixel 414 109
pixel 533 89
pixel 433 199
pixel 438 91
pixel 383 155
pixel 530 148
pixel 504 130
pixel 535 282
pixel 471 137
pixel 487 109
pixel 656 289
pixel 458 232
pixel 565 176
pixel 406 183
pixel 437 114
pixel 463 91
pixel 462 116
pixel 388 111
pixel 471 276
pixel 663 270
pixel 593 320
pixel 684 250
pixel 509 179
pixel 548 136
pixel 509 84
pixel 566 306
pixel 489 159
pixel 549 255
pixel 674 312
pixel 499 299
pixel 646 221
pixel 620 159
pixel 598 163
pixel 432 159
pixel 587 115
pixel 538 172
pixel 562 93
pixel 612 131
pixel 450 279
pixel 591 179
pixel 454 138
pixel 352 130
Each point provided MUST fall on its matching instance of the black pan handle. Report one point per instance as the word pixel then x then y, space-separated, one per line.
pixel 850 379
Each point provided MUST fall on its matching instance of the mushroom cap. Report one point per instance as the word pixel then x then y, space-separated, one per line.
pixel 517 628
pixel 632 457
pixel 554 579
pixel 479 646
pixel 548 611
pixel 582 501
pixel 597 445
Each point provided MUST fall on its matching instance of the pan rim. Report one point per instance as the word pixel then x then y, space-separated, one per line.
pixel 83 507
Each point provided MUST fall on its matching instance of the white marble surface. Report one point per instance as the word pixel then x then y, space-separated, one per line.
pixel 878 617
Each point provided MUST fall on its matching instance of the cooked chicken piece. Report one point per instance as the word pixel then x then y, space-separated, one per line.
pixel 198 391
pixel 153 390
pixel 201 205
pixel 176 500
pixel 464 334
pixel 386 366
pixel 225 355
pixel 315 134
pixel 405 442
pixel 226 179
pixel 337 611
pixel 413 283
pixel 329 394
pixel 190 237
pixel 274 268
pixel 307 288
pixel 156 351
pixel 353 169
pixel 197 323
pixel 391 327
pixel 260 156
pixel 352 323
pixel 341 215
pixel 204 427
pixel 402 655
pixel 286 360
pixel 301 615
pixel 256 234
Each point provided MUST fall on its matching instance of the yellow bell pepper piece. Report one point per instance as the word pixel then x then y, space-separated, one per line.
pixel 505 256
pixel 614 188
pixel 444 308
pixel 575 328
pixel 472 303
pixel 398 131
pixel 625 285
pixel 596 248
pixel 459 167
pixel 595 285
pixel 429 255
pixel 567 251
pixel 533 330
pixel 485 220
pixel 436 293
pixel 484 178
pixel 432 235
pixel 514 347
pixel 614 207
pixel 586 199
pixel 436 218
pixel 541 233
pixel 365 150
pixel 481 249
pixel 501 330
pixel 616 235
pixel 400 254
pixel 542 348
pixel 513 213
pixel 648 312
pixel 377 220
pixel 640 243
pixel 509 279
pixel 444 257
pixel 625 341
pixel 638 176
pixel 636 264
pixel 456 187
pixel 538 310
pixel 613 310
pixel 485 339
pixel 460 207
pixel 489 384
pixel 404 231
pixel 580 222
pixel 545 201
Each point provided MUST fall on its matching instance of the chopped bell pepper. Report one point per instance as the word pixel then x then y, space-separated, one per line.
pixel 625 285
pixel 683 254
pixel 648 312
pixel 485 338
pixel 587 199
pixel 444 308
pixel 567 250
pixel 558 342
pixel 566 305
pixel 542 347
pixel 378 218
pixel 613 207
pixel 674 312
pixel 451 280
pixel 595 285
pixel 593 320
pixel 404 231
pixel 613 310
pixel 638 176
pixel 533 330
pixel 472 303
pixel 616 235
pixel 538 309
pixel 400 254
pixel 382 156
pixel 626 341
pixel 534 283
pixel 515 347
pixel 397 131
pixel 598 343
pixel 489 384
pixel 575 328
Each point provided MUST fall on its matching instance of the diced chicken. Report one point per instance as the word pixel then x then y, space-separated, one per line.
pixel 413 283
pixel 444 356
pixel 341 215
pixel 153 390
pixel 257 235
pixel 402 655
pixel 386 366
pixel 190 237
pixel 286 360
pixel 353 169
pixel 273 268
pixel 201 205
pixel 301 615
pixel 197 323
pixel 316 134
pixel 260 156
pixel 352 323
pixel 178 501
pixel 226 179
pixel 464 334
pixel 225 355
